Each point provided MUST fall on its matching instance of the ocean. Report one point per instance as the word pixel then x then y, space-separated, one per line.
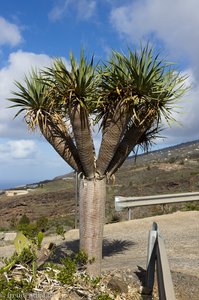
pixel 11 184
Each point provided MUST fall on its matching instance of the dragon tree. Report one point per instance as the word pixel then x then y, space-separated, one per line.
pixel 128 97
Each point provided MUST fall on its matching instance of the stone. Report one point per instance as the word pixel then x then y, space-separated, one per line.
pixel 10 236
pixel 62 295
pixel 44 254
pixel 56 296
pixel 117 285
pixel 2 236
pixel 74 296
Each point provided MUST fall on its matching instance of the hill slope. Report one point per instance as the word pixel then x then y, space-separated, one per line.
pixel 171 170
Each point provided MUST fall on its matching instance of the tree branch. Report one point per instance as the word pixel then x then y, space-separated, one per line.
pixel 129 141
pixel 112 134
pixel 83 139
pixel 62 142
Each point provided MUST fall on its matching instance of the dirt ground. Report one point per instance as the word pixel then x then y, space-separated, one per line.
pixel 125 248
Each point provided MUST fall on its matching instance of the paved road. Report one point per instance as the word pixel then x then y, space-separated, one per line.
pixel 125 244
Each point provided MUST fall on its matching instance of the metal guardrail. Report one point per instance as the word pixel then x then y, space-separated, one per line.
pixel 130 202
pixel 157 256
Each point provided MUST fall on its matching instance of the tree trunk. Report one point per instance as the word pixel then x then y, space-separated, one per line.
pixel 92 217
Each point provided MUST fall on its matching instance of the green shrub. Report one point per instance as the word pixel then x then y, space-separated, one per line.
pixel 66 222
pixel 24 220
pixel 14 289
pixel 172 160
pixel 191 206
pixel 31 230
pixel 60 231
pixel 66 275
pixel 27 256
pixel 81 258
pixel 104 297
pixel 40 237
pixel 42 224
pixel 11 288
pixel 70 267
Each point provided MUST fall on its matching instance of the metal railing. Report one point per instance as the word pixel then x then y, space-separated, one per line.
pixel 130 202
pixel 156 256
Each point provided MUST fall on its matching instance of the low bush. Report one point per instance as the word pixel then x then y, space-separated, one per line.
pixel 22 275
pixel 191 206
pixel 31 230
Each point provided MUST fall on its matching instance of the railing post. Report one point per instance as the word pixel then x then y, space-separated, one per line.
pixel 129 213
pixel 76 199
pixel 165 284
pixel 151 258
pixel 156 255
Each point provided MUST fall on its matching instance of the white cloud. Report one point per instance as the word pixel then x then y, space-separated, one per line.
pixel 9 33
pixel 186 115
pixel 83 9
pixel 17 149
pixel 173 22
pixel 58 11
pixel 28 161
pixel 21 152
pixel 18 64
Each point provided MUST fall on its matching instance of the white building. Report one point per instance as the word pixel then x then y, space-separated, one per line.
pixel 12 193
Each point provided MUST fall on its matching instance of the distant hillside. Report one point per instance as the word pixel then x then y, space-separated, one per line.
pixel 184 150
pixel 170 170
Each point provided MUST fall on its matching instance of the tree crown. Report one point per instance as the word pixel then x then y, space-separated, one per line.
pixel 128 95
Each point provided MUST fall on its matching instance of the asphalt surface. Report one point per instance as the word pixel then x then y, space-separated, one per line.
pixel 125 243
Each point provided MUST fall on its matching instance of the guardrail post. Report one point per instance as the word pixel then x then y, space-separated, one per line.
pixel 165 284
pixel 156 255
pixel 117 203
pixel 151 258
pixel 129 213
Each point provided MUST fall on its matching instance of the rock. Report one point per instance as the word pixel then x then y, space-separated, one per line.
pixel 56 296
pixel 49 246
pixel 2 236
pixel 10 236
pixel 74 296
pixel 117 285
pixel 62 295
pixel 44 254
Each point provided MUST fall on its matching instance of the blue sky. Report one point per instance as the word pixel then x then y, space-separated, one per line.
pixel 33 32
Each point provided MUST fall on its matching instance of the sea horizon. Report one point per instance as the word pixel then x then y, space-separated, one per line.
pixel 12 184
